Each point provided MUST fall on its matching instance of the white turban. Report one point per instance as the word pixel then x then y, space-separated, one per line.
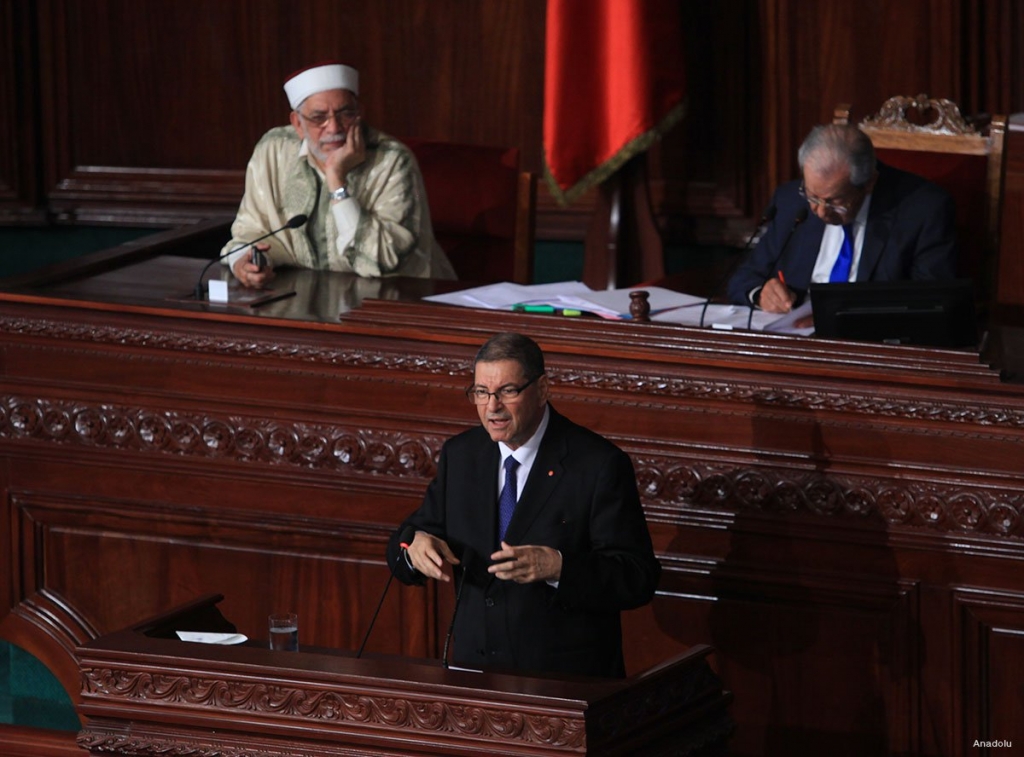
pixel 320 79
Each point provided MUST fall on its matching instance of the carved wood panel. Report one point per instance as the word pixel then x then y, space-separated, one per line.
pixel 991 627
pixel 815 505
pixel 330 571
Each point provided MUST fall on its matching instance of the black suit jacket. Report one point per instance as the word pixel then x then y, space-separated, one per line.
pixel 910 235
pixel 581 498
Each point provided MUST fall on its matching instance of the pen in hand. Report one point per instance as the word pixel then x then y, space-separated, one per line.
pixel 782 278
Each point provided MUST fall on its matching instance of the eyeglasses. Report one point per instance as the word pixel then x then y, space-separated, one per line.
pixel 827 204
pixel 345 117
pixel 505 395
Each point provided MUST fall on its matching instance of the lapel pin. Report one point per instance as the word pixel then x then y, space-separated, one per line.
pixel 551 473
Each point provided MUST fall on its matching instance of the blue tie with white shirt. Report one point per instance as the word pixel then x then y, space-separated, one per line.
pixel 841 269
pixel 507 499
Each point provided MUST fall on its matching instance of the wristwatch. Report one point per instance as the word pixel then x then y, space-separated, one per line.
pixel 341 193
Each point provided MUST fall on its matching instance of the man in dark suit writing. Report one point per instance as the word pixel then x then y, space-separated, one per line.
pixel 866 222
pixel 541 519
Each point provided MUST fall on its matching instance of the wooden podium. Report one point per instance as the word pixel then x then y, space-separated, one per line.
pixel 146 693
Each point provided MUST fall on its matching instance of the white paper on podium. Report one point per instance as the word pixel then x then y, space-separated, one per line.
pixel 208 637
pixel 787 324
pixel 564 295
pixel 730 317
pixel 503 296
pixel 667 306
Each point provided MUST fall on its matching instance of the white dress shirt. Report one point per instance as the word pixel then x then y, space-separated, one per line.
pixel 832 242
pixel 526 453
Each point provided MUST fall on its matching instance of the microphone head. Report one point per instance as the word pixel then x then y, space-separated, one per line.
pixel 296 221
pixel 405 538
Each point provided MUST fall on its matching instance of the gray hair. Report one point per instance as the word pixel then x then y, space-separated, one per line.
pixel 832 146
pixel 509 345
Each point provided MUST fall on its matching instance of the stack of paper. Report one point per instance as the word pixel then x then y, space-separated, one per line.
pixel 504 296
pixel 667 306
pixel 740 317
pixel 566 295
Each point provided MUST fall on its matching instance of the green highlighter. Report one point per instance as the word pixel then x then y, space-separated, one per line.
pixel 521 307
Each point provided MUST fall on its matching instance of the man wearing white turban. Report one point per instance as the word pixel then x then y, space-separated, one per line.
pixel 360 189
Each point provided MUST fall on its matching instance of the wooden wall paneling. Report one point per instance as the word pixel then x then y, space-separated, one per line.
pixel 1009 289
pixel 329 572
pixel 993 63
pixel 148 132
pixel 822 54
pixel 19 117
pixel 9 593
pixel 991 625
pixel 17 741
pixel 153 109
pixel 410 92
pixel 782 127
pixel 508 40
pixel 788 621
pixel 701 171
pixel 10 107
pixel 159 131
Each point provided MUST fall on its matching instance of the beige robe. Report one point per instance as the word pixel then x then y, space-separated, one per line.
pixel 388 210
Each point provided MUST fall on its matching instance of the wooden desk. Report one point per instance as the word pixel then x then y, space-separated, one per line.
pixel 841 522
pixel 145 692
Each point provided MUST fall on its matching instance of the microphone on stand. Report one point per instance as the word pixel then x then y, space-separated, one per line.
pixel 800 217
pixel 404 539
pixel 455 612
pixel 293 223
pixel 766 217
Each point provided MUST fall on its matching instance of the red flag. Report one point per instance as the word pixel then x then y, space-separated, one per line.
pixel 613 83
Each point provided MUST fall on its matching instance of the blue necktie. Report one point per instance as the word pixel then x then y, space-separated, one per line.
pixel 841 269
pixel 507 500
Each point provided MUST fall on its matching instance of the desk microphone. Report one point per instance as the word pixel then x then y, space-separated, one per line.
pixel 800 217
pixel 455 612
pixel 293 223
pixel 766 217
pixel 404 539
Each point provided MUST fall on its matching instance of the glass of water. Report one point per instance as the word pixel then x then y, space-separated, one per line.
pixel 284 632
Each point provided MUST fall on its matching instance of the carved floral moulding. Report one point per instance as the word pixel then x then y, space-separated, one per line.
pixel 229 437
pixel 961 509
pixel 945 116
pixel 97 741
pixel 663 480
pixel 199 343
pixel 288 703
pixel 354 709
pixel 642 391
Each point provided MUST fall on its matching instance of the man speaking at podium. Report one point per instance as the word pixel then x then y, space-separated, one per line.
pixel 851 218
pixel 541 519
pixel 361 190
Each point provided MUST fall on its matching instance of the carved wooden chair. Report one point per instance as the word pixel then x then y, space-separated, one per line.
pixel 482 208
pixel 930 137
